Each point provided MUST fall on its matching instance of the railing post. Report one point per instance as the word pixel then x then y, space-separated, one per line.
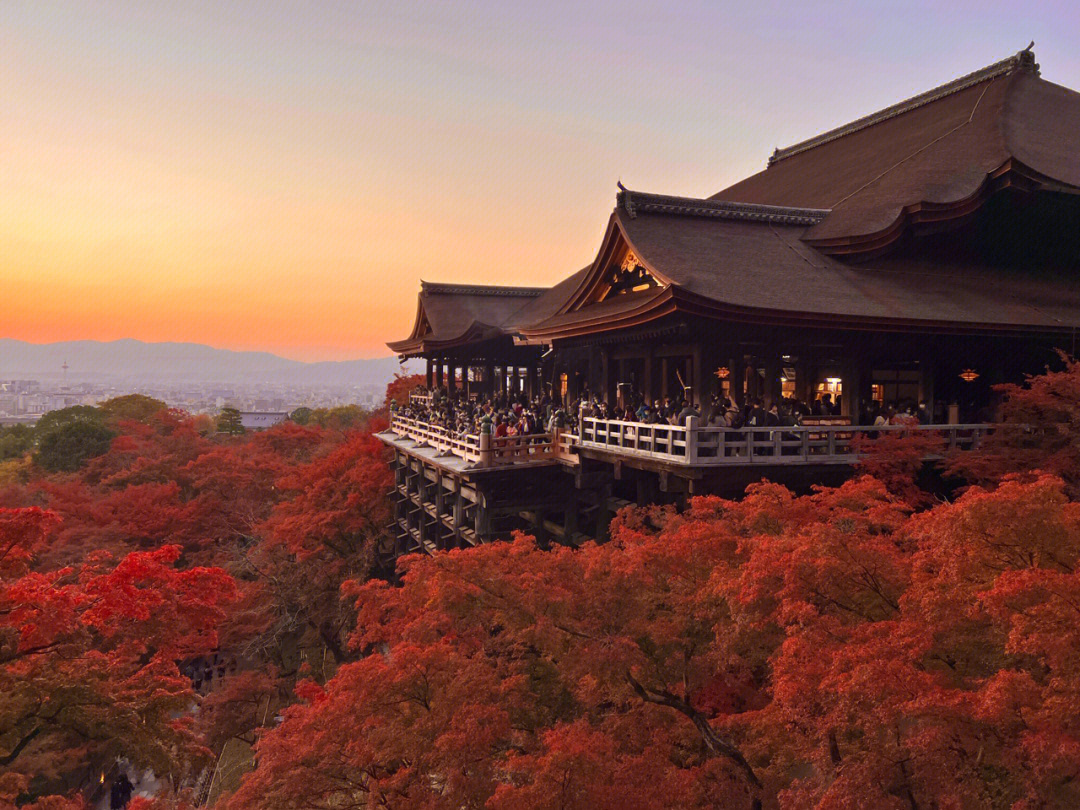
pixel 691 439
pixel 485 449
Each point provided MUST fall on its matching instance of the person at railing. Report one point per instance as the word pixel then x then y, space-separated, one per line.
pixel 923 414
pixel 885 416
pixel 823 406
pixel 685 413
pixel 904 418
pixel 756 417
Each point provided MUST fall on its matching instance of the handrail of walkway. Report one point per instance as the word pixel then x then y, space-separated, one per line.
pixel 485 450
pixel 692 444
pixel 696 445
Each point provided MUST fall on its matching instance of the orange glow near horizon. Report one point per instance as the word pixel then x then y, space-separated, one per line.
pixel 281 178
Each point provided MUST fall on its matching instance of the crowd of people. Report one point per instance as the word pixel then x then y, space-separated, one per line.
pixel 517 414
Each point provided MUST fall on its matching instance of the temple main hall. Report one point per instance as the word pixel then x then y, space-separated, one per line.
pixel 916 257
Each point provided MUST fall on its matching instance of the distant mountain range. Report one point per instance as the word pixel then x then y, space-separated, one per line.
pixel 134 360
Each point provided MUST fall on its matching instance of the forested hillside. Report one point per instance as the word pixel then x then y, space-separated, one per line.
pixel 169 590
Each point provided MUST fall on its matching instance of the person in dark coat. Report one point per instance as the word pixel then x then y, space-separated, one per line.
pixel 121 791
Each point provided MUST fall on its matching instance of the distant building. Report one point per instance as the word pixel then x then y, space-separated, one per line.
pixel 261 420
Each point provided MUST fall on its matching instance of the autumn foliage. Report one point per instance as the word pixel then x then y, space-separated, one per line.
pixel 174 546
pixel 872 645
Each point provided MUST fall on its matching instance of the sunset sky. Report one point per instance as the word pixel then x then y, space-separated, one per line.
pixel 280 176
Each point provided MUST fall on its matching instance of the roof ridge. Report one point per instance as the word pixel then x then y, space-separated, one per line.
pixel 1023 60
pixel 634 202
pixel 451 288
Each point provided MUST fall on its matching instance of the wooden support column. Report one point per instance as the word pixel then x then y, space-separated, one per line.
pixel 482 524
pixel 648 386
pixel 809 383
pixel 439 372
pixel 699 378
pixel 772 381
pixel 604 513
pixel 664 371
pixel 735 381
pixel 451 383
pixel 533 381
pixel 926 382
pixel 437 526
pixel 430 374
pixel 850 400
pixel 605 377
pixel 459 510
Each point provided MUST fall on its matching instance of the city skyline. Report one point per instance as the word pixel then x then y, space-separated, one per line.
pixel 281 179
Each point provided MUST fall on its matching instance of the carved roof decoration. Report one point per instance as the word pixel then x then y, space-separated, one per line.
pixel 634 202
pixel 438 288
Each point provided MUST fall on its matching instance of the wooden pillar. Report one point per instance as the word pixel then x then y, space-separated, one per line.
pixel 570 515
pixel 664 372
pixel 489 379
pixel 809 389
pixel 735 381
pixel 459 510
pixel 751 380
pixel 648 387
pixel 851 387
pixel 430 372
pixel 439 373
pixel 440 503
pixel 482 522
pixel 926 382
pixel 451 382
pixel 773 391
pixel 699 377
pixel 605 377
pixel 532 381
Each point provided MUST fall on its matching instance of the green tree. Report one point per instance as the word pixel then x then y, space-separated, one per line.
pixel 301 415
pixel 16 441
pixel 67 447
pixel 64 416
pixel 137 407
pixel 228 421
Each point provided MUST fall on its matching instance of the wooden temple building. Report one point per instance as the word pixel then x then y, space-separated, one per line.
pixel 925 252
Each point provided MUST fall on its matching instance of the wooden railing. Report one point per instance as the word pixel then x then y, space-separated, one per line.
pixel 485 450
pixel 690 445
pixel 694 445
pixel 419 399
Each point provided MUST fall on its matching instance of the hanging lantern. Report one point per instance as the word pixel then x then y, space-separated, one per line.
pixel 969 375
pixel 722 372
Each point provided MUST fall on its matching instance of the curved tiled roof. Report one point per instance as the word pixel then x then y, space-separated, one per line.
pixel 764 250
pixel 764 272
pixel 933 156
pixel 450 315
